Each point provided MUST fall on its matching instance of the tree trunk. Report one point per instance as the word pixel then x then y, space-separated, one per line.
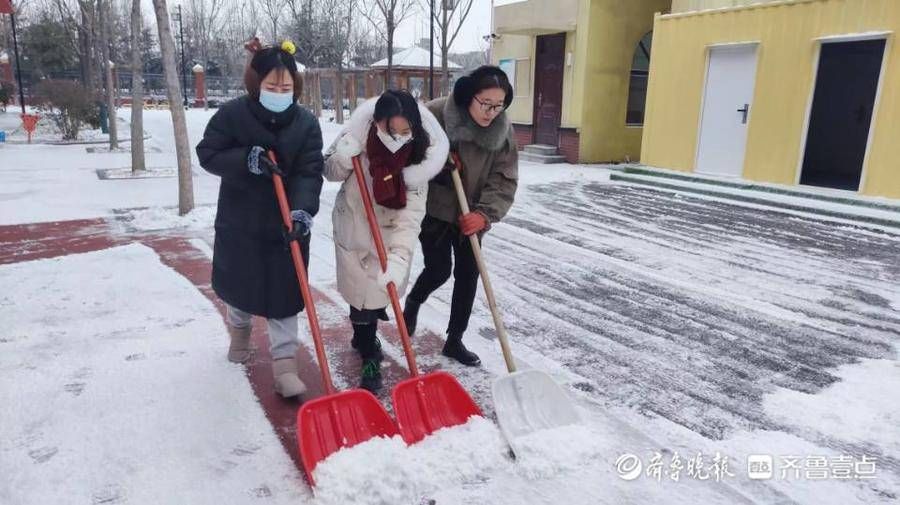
pixel 138 162
pixel 354 91
pixel 105 13
pixel 390 50
pixel 317 94
pixel 182 145
pixel 339 96
pixel 445 74
pixel 86 37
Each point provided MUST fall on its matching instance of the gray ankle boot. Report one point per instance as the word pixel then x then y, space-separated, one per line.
pixel 239 351
pixel 287 383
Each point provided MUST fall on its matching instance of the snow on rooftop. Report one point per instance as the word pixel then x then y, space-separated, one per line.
pixel 414 57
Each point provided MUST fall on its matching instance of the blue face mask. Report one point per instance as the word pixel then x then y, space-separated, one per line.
pixel 275 102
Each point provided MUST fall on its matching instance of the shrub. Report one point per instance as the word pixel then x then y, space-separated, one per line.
pixel 68 104
pixel 6 93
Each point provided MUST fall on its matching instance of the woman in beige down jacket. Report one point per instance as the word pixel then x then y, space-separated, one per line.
pixel 396 139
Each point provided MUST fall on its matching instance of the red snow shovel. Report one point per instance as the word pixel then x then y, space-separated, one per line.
pixel 423 404
pixel 336 420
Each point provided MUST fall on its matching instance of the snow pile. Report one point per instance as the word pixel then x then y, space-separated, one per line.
pixel 386 471
pixel 164 218
pixel 128 173
pixel 547 453
pixel 48 131
pixel 895 303
pixel 856 407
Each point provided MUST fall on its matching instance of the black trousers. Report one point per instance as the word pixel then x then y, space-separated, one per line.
pixel 445 250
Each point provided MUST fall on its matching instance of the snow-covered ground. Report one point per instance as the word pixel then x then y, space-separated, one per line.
pixel 115 391
pixel 680 324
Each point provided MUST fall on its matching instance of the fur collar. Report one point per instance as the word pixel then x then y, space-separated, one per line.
pixel 435 156
pixel 461 128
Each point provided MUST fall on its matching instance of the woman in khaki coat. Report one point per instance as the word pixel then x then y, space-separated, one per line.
pixel 396 139
pixel 475 120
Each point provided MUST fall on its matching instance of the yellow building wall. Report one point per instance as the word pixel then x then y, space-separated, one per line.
pixel 696 5
pixel 787 55
pixel 520 47
pixel 522 109
pixel 571 115
pixel 605 52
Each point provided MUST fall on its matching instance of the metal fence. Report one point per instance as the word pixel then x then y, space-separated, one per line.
pixel 219 89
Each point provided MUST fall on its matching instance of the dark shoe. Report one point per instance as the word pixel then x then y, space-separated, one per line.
pixel 371 350
pixel 455 349
pixel 411 315
pixel 366 342
pixel 371 375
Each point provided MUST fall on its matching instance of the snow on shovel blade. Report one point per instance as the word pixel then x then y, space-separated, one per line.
pixel 530 401
pixel 427 403
pixel 339 420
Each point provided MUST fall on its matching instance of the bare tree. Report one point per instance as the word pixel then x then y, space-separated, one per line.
pixel 274 10
pixel 307 25
pixel 338 21
pixel 138 162
pixel 448 20
pixel 205 20
pixel 240 22
pixel 104 9
pixel 86 38
pixel 385 16
pixel 182 145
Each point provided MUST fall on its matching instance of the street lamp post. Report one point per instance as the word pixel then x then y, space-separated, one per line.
pixel 183 72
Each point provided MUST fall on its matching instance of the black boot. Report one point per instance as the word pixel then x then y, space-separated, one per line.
pixel 365 341
pixel 411 315
pixel 370 378
pixel 455 349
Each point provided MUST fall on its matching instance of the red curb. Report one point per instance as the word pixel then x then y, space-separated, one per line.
pixel 48 240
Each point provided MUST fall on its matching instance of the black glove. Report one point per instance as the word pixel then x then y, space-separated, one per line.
pixel 302 222
pixel 258 163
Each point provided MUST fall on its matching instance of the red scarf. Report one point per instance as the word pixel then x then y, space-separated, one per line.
pixel 386 169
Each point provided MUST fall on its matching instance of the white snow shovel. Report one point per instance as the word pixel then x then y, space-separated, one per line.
pixel 526 401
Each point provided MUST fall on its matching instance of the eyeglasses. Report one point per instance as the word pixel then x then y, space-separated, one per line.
pixel 489 107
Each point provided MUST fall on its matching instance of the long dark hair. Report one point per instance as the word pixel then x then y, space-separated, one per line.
pixel 393 103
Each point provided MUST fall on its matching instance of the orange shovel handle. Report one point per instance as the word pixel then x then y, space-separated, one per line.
pixel 281 195
pixel 382 257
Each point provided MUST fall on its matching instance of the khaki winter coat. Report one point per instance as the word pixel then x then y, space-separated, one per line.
pixel 490 164
pixel 357 260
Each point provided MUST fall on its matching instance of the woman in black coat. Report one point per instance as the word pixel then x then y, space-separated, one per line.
pixel 252 268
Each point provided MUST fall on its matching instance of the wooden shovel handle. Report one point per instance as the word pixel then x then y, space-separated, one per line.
pixel 482 267
pixel 281 195
pixel 382 257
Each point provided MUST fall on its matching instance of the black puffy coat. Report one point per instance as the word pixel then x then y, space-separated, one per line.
pixel 252 268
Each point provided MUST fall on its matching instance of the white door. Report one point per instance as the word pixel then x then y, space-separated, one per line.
pixel 727 106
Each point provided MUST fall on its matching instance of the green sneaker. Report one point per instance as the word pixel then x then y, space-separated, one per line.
pixel 371 375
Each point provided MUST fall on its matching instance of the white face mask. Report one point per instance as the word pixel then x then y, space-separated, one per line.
pixel 393 143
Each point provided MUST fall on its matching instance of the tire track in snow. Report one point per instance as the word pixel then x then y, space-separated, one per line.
pixel 761 352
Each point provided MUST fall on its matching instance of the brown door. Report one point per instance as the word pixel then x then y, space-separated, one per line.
pixel 548 79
